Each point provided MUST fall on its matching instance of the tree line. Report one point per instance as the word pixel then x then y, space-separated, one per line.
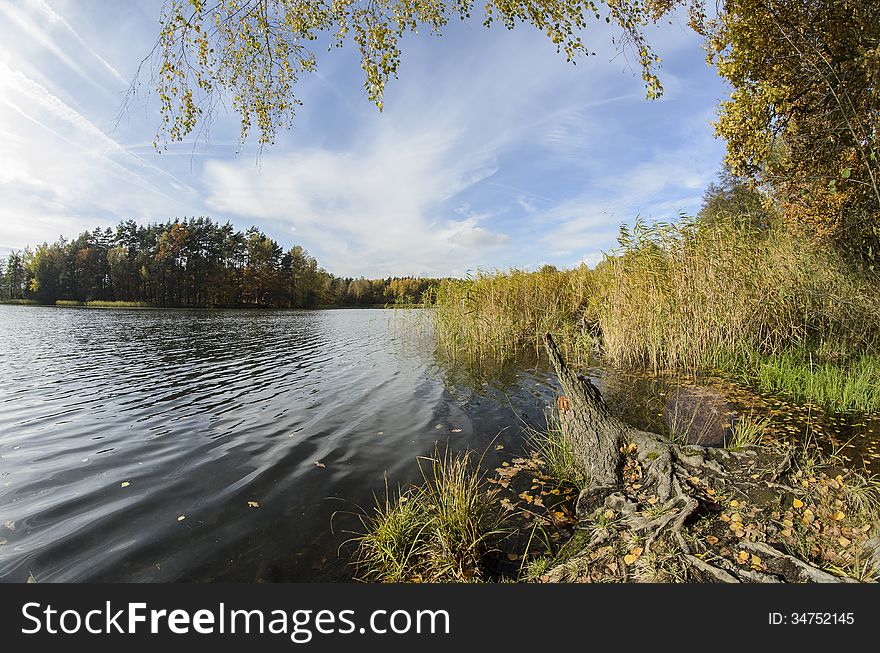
pixel 193 262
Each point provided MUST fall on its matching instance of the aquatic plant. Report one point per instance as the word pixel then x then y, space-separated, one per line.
pixel 437 531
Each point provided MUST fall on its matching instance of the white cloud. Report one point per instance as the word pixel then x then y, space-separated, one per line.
pixel 492 151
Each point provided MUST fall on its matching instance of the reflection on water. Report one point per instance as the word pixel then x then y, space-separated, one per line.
pixel 154 445
pixel 115 424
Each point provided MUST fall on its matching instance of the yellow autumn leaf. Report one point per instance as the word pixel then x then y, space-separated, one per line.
pixel 633 555
pixel 839 516
pixel 734 504
pixel 743 556
pixel 797 503
pixel 253 504
pixel 125 484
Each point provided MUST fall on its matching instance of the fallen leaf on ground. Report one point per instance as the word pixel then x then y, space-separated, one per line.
pixel 253 504
pixel 318 463
pixel 797 503
pixel 181 518
pixel 125 484
pixel 633 555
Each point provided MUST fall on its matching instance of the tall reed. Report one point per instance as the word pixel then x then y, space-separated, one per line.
pixel 494 315
pixel 694 296
pixel 784 312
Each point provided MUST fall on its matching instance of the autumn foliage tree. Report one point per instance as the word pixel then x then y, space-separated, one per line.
pixel 804 116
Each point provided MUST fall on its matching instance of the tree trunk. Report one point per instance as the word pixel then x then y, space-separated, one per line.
pixel 595 434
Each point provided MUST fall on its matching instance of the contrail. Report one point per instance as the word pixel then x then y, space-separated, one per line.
pixel 57 18
pixel 56 107
pixel 38 35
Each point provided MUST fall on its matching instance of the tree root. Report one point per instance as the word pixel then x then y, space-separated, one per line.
pixel 661 510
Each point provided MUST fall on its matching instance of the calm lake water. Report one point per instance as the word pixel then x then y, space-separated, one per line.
pixel 173 445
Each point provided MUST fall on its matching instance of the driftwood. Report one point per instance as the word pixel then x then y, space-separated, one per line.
pixel 678 480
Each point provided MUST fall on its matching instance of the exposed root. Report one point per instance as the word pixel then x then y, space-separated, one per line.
pixel 675 511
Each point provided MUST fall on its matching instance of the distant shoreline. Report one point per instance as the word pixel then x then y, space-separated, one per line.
pixel 138 306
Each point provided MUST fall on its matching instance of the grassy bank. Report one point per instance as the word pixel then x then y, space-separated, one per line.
pixel 782 312
pixel 457 524
pixel 103 304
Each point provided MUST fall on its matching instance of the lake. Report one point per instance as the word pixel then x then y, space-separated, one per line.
pixel 196 445
pixel 254 427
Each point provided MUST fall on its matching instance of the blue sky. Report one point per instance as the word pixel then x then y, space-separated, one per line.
pixel 492 151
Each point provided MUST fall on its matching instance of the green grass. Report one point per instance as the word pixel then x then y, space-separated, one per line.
pixel 19 302
pixel 120 304
pixel 438 531
pixel 557 451
pixel 748 431
pixel 97 303
pixel 834 386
